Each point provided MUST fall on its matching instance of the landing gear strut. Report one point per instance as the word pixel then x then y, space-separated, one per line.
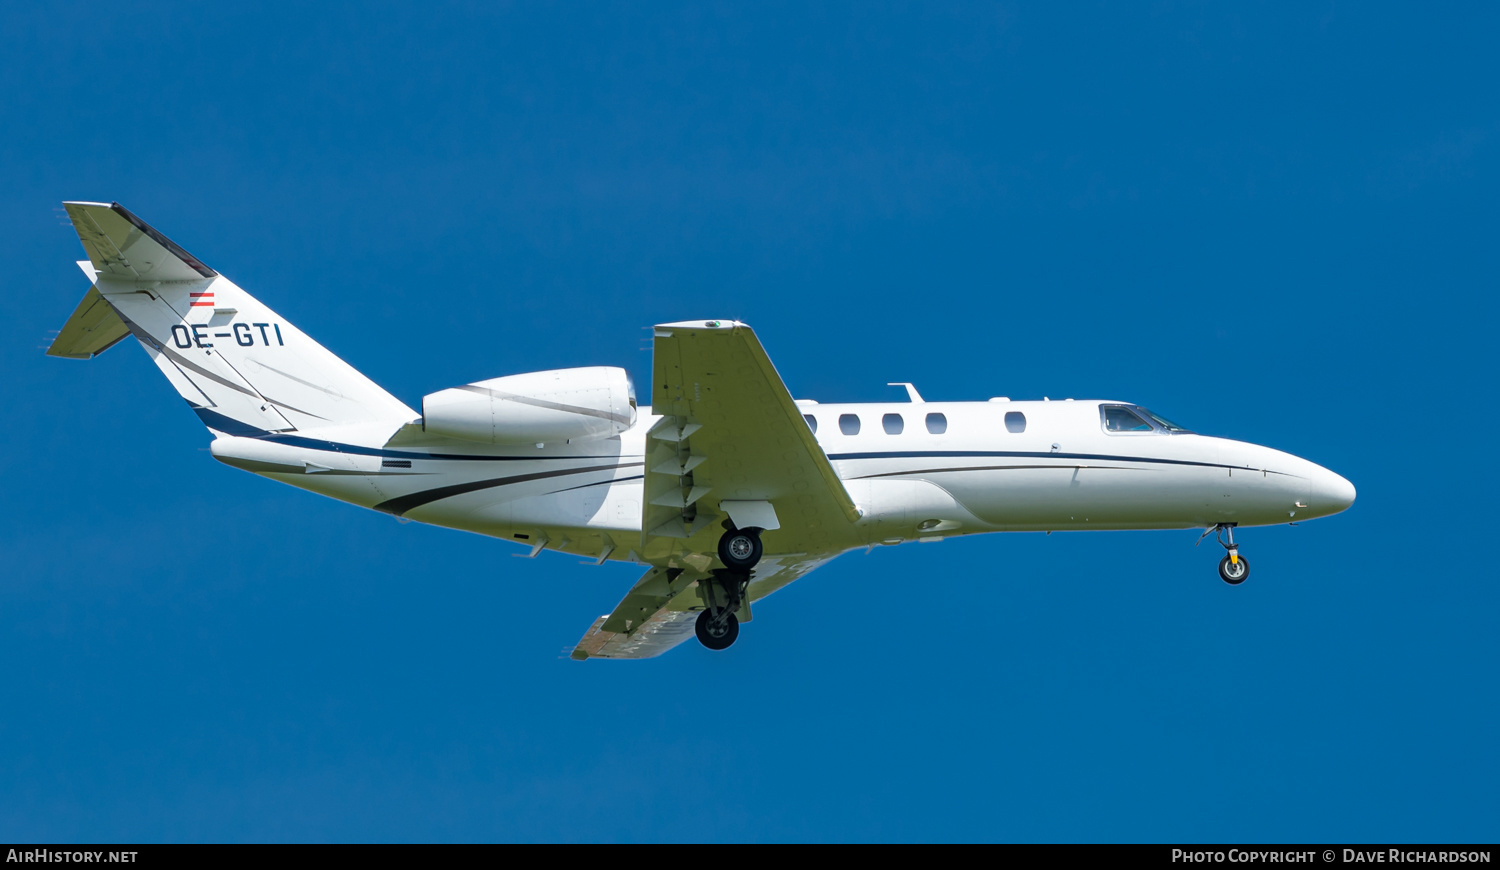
pixel 1233 568
pixel 725 591
pixel 717 626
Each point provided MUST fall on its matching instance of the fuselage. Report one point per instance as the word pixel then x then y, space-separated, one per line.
pixel 731 491
pixel 916 470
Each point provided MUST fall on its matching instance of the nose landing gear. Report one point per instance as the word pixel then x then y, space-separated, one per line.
pixel 1233 568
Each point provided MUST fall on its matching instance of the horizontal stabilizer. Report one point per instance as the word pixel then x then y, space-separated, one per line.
pixel 94 328
pixel 122 246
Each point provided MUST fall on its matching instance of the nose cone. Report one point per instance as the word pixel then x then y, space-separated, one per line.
pixel 1329 493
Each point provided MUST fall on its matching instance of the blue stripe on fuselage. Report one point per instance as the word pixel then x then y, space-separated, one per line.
pixel 229 426
pixel 1022 454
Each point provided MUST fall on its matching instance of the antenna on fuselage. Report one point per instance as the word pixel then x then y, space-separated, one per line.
pixel 911 392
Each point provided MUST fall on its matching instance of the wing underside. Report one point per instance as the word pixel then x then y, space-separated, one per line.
pixel 659 611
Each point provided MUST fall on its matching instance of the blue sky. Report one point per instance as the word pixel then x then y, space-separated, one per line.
pixel 1275 222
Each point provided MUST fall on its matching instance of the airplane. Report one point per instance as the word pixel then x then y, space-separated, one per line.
pixel 726 489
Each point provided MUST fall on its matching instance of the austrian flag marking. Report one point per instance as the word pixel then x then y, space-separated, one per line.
pixel 202 300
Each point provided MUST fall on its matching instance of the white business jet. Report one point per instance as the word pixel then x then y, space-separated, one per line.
pixel 726 490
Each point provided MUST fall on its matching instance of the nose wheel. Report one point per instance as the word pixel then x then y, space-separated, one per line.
pixel 1233 568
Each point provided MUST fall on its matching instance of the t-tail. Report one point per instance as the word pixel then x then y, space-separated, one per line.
pixel 243 368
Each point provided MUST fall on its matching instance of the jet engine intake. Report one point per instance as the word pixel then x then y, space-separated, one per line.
pixel 537 407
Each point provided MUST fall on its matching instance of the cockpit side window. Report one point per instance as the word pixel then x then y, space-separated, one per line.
pixel 1118 418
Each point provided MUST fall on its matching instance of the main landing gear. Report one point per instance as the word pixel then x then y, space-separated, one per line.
pixel 740 549
pixel 717 633
pixel 723 593
pixel 717 626
pixel 1233 569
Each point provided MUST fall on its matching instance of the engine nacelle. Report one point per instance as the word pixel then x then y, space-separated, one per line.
pixel 535 408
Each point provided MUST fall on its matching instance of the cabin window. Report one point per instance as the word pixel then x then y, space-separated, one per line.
pixel 937 424
pixel 1118 418
pixel 893 424
pixel 849 424
pixel 812 422
pixel 1015 421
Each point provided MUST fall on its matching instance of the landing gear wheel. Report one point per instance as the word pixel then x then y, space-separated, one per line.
pixel 717 634
pixel 1233 569
pixel 1234 573
pixel 740 549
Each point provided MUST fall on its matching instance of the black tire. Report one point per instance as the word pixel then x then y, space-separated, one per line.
pixel 740 549
pixel 727 631
pixel 1234 575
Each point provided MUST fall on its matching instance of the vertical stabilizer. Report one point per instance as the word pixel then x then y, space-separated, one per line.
pixel 242 367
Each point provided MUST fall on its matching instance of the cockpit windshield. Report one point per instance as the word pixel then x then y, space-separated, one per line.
pixel 1163 421
pixel 1134 418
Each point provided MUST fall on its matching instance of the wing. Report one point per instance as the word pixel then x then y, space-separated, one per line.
pixel 659 611
pixel 731 448
pixel 731 444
